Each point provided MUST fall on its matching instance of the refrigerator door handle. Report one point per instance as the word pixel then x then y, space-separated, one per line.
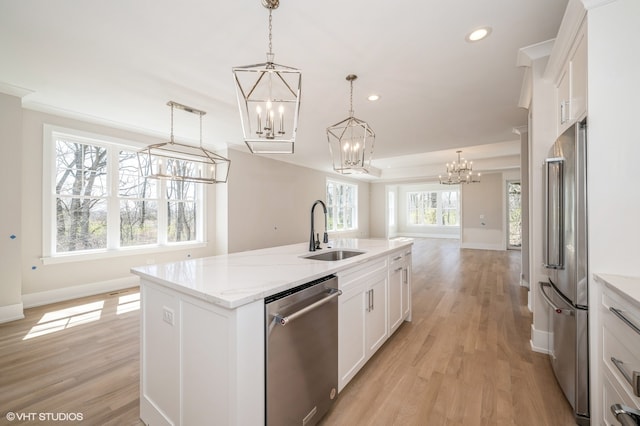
pixel 556 308
pixel 554 213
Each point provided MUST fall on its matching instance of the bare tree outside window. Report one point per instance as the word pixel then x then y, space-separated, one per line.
pixel 342 206
pixel 181 209
pixel 138 203
pixel 81 190
pixel 433 208
pixel 102 202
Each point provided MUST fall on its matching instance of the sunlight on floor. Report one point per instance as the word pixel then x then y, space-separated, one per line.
pixel 81 314
pixel 128 303
pixel 66 318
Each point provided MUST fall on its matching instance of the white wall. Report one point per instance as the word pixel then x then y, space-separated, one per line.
pixel 269 202
pixel 483 213
pixel 613 148
pixel 378 211
pixel 11 212
pixel 613 141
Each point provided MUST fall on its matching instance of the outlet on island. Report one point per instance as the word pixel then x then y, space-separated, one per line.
pixel 167 315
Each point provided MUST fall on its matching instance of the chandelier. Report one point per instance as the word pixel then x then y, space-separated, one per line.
pixel 269 101
pixel 176 161
pixel 351 141
pixel 458 172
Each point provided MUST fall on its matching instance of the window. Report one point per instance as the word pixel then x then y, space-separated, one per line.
pixel 342 206
pixel 96 201
pixel 433 208
pixel 391 208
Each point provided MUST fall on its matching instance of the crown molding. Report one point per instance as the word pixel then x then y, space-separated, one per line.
pixel 574 16
pixel 10 89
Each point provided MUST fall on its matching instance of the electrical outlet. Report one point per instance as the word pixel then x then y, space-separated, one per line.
pixel 167 315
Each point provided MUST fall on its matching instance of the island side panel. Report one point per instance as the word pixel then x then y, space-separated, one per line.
pixel 215 355
pixel 159 358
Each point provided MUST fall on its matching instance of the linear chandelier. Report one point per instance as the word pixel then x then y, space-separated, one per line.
pixel 269 101
pixel 180 162
pixel 458 172
pixel 351 141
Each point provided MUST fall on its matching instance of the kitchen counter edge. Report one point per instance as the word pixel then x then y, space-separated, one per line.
pixel 287 255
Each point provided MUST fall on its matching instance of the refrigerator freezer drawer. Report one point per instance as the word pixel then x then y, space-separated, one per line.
pixel 569 348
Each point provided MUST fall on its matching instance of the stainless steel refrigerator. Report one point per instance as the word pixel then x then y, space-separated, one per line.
pixel 565 257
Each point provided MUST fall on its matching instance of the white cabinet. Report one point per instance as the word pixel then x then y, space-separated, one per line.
pixel 619 342
pixel 571 87
pixel 362 316
pixel 399 288
pixel 375 300
pixel 376 313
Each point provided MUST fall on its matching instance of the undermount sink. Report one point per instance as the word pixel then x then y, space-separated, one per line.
pixel 334 255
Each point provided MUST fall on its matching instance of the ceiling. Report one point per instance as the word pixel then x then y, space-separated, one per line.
pixel 118 62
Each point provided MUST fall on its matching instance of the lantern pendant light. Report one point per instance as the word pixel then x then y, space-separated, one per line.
pixel 176 161
pixel 269 101
pixel 351 142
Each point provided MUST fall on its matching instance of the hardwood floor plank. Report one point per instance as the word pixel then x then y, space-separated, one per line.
pixel 466 357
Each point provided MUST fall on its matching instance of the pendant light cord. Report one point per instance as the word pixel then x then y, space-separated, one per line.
pixel 270 36
pixel 172 141
pixel 351 100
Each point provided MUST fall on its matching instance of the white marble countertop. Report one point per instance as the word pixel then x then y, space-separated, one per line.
pixel 233 280
pixel 628 287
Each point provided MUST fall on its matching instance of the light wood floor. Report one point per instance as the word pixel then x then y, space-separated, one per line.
pixel 464 360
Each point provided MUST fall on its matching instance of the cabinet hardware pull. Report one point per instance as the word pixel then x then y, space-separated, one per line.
pixel 625 415
pixel 633 379
pixel 331 293
pixel 373 303
pixel 619 314
pixel 397 269
pixel 396 258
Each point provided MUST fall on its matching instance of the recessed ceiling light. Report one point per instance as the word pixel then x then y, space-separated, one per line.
pixel 478 34
pixel 373 97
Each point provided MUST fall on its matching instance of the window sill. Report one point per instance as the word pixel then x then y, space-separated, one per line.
pixel 109 254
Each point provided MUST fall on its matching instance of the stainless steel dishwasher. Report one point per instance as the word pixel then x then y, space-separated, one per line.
pixel 301 353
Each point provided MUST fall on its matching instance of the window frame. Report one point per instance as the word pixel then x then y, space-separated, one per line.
pixel 439 208
pixel 113 248
pixel 336 208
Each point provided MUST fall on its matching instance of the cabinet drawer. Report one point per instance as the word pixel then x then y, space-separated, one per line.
pixel 357 273
pixel 621 346
pixel 613 394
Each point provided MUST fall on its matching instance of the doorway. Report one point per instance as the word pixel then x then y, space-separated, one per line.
pixel 514 215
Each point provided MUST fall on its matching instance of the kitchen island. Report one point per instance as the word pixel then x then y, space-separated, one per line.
pixel 202 325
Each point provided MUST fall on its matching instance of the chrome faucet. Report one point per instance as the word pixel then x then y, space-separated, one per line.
pixel 313 242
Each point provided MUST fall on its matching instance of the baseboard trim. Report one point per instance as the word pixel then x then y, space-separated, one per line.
pixel 11 312
pixel 420 235
pixel 539 340
pixel 483 246
pixel 67 293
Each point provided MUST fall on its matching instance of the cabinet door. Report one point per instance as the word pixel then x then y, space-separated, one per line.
pixel 563 97
pixel 376 324
pixel 351 333
pixel 396 288
pixel 579 79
